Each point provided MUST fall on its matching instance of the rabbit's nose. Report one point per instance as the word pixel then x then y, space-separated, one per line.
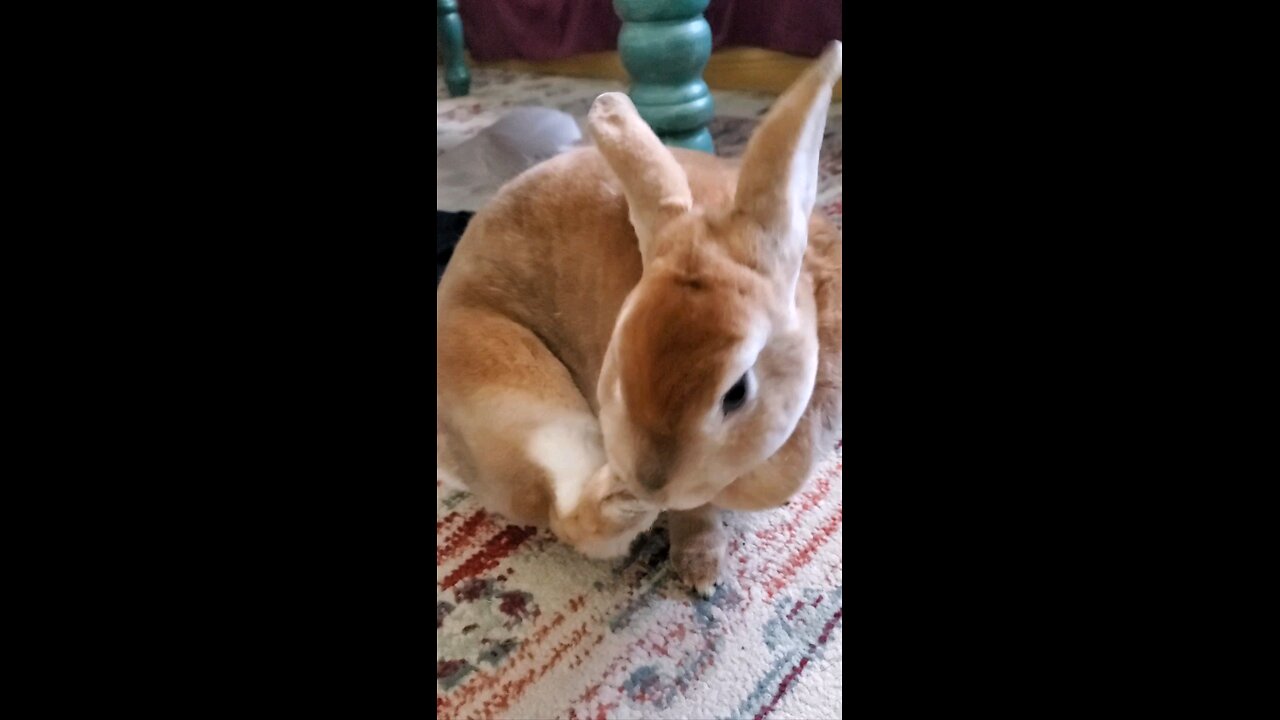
pixel 654 462
pixel 650 476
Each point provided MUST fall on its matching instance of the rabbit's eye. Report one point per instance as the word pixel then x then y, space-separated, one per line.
pixel 736 396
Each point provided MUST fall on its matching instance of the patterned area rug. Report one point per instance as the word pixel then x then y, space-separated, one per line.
pixel 526 628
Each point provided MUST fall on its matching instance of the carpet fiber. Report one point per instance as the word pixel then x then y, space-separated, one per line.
pixel 526 628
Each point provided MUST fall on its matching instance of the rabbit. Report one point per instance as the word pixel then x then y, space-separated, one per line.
pixel 630 328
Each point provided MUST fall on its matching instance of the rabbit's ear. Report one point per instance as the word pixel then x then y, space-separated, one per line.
pixel 656 187
pixel 778 182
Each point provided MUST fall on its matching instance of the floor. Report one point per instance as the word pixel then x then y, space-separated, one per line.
pixel 526 628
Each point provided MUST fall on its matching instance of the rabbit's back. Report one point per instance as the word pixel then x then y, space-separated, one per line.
pixel 555 251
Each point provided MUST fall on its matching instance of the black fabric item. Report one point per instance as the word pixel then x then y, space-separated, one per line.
pixel 449 228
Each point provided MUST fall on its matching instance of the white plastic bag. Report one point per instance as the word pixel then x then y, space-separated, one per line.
pixel 468 175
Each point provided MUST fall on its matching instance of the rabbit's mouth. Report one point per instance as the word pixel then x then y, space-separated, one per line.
pixel 683 495
pixel 686 501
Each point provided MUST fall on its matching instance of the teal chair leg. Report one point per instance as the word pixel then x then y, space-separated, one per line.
pixel 449 27
pixel 664 45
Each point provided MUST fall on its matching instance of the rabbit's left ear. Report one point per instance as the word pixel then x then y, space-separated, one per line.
pixel 778 182
pixel 656 187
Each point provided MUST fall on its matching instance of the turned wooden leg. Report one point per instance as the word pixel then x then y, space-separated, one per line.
pixel 449 27
pixel 664 45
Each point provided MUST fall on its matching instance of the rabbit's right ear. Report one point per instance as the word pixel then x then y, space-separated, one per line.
pixel 778 184
pixel 656 187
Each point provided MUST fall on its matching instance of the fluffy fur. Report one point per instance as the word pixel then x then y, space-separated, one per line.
pixel 595 314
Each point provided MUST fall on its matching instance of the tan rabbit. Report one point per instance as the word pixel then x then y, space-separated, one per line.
pixel 631 328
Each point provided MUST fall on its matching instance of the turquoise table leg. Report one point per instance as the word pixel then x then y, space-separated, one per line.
pixel 664 46
pixel 449 26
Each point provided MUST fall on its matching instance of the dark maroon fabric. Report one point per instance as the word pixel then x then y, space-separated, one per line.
pixel 553 29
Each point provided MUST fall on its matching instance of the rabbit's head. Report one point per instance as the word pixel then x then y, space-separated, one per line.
pixel 713 356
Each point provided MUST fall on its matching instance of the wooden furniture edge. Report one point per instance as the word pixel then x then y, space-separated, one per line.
pixel 739 68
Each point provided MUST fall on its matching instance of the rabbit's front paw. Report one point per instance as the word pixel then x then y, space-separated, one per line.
pixel 698 543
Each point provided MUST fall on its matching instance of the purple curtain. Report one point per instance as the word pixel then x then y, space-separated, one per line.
pixel 552 29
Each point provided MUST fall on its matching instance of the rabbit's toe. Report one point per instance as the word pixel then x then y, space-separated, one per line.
pixel 698 559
